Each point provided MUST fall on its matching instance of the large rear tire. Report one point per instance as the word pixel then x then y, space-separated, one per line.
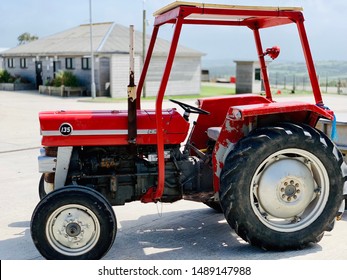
pixel 73 222
pixel 281 187
pixel 215 205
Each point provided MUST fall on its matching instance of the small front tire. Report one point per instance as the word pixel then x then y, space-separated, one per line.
pixel 73 222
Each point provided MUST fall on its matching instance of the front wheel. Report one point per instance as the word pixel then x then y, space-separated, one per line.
pixel 281 187
pixel 73 222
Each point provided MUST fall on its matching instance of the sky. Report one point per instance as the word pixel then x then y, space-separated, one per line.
pixel 326 26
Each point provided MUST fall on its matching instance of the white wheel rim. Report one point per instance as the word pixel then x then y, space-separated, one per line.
pixel 72 230
pixel 288 200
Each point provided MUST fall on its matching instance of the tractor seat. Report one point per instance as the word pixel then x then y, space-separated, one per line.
pixel 213 132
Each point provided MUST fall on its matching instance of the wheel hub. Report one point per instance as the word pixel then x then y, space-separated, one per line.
pixel 290 190
pixel 73 229
pixel 285 188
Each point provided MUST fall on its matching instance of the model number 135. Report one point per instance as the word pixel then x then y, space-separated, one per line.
pixel 65 129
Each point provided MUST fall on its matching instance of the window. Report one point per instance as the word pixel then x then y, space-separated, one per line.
pixel 257 74
pixel 85 63
pixel 10 63
pixel 23 62
pixel 69 63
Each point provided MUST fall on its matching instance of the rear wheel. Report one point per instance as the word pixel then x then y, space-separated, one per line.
pixel 73 223
pixel 215 205
pixel 281 187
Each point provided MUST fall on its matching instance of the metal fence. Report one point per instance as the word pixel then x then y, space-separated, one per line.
pixel 302 83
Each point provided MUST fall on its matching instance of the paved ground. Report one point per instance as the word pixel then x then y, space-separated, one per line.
pixel 183 230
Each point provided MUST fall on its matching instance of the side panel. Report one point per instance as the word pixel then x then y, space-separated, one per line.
pixel 98 128
pixel 63 162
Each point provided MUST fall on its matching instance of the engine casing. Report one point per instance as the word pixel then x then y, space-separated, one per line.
pixel 123 176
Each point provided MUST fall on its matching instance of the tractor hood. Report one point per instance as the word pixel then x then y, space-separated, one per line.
pixel 88 128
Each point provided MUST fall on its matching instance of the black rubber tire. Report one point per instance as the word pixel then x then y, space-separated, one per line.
pixel 244 210
pixel 215 205
pixel 43 188
pixel 83 213
pixel 42 191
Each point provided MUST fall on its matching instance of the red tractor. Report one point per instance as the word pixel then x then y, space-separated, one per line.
pixel 278 180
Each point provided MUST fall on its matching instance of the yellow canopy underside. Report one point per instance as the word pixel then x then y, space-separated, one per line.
pixel 223 6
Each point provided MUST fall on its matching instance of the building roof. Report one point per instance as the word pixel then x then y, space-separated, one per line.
pixel 108 38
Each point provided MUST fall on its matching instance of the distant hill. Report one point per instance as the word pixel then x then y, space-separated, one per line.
pixel 331 70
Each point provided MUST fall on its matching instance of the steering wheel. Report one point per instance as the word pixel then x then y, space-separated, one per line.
pixel 190 109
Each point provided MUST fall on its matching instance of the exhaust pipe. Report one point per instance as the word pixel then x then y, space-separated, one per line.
pixel 132 116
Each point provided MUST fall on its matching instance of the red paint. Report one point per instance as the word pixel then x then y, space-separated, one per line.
pixel 218 108
pixel 175 128
pixel 167 126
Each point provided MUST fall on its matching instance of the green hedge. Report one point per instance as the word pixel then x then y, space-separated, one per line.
pixel 65 78
pixel 6 77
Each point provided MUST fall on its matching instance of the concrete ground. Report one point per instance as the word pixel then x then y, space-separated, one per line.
pixel 182 230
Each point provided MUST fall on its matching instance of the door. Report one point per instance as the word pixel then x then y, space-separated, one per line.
pixel 38 68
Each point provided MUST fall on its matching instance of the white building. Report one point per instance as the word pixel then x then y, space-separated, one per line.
pixel 38 61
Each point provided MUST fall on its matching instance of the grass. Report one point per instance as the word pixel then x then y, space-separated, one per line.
pixel 206 91
pixel 288 92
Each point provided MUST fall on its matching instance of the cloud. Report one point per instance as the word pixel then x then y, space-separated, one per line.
pixel 326 25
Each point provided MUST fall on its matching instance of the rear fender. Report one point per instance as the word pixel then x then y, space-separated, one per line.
pixel 241 120
pixel 231 132
pixel 218 108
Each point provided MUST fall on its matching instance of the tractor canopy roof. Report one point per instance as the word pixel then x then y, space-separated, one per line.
pixel 218 14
